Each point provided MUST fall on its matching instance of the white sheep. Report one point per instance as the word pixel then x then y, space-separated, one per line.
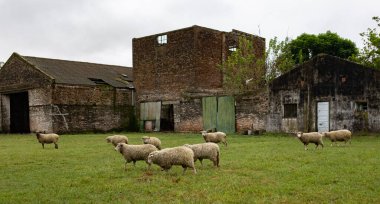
pixel 311 137
pixel 47 139
pixel 152 140
pixel 168 157
pixel 133 153
pixel 206 151
pixel 115 139
pixel 215 137
pixel 339 135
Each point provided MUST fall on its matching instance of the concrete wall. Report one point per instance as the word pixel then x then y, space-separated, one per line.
pixel 345 85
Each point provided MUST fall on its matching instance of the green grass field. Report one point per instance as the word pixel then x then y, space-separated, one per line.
pixel 254 169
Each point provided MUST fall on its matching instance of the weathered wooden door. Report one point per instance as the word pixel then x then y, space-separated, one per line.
pixel 150 111
pixel 219 113
pixel 226 114
pixel 209 110
pixel 323 116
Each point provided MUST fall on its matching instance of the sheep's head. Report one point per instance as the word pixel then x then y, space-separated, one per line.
pixel 151 156
pixel 204 133
pixel 145 139
pixel 119 147
pixel 108 139
pixel 324 134
pixel 299 134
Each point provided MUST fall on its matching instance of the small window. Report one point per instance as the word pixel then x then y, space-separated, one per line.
pixel 290 110
pixel 232 48
pixel 162 39
pixel 361 106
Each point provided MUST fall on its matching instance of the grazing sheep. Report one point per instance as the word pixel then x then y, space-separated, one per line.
pixel 215 137
pixel 152 140
pixel 338 135
pixel 311 137
pixel 48 139
pixel 205 151
pixel 115 139
pixel 168 157
pixel 133 153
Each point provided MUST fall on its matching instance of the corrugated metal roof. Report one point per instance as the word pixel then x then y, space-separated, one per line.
pixel 83 73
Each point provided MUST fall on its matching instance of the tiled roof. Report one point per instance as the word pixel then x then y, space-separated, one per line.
pixel 83 73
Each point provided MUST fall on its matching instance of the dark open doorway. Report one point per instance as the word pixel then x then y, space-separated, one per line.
pixel 19 112
pixel 167 117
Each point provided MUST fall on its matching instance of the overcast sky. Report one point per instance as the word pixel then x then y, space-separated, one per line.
pixel 101 31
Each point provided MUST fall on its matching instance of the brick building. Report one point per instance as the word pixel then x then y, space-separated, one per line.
pixel 179 87
pixel 39 94
pixel 325 93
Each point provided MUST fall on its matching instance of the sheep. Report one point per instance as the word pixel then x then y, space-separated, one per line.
pixel 168 157
pixel 133 153
pixel 311 137
pixel 115 139
pixel 48 139
pixel 338 135
pixel 152 140
pixel 205 151
pixel 215 137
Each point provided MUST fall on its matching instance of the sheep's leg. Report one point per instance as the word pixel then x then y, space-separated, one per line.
pixel 56 145
pixel 225 143
pixel 200 160
pixel 134 163
pixel 194 170
pixel 305 146
pixel 125 166
pixel 184 169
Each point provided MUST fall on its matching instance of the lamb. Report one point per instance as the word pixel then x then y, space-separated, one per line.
pixel 133 153
pixel 205 151
pixel 311 137
pixel 48 139
pixel 339 135
pixel 152 140
pixel 168 157
pixel 215 137
pixel 115 139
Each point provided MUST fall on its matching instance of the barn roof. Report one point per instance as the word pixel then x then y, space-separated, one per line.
pixel 83 73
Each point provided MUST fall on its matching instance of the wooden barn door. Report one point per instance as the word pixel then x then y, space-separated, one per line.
pixel 323 116
pixel 219 113
pixel 150 113
pixel 209 109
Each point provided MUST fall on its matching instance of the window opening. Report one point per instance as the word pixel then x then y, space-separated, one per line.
pixel 290 110
pixel 98 81
pixel 162 39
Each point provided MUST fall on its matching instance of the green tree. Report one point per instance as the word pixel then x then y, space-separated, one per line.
pixel 370 54
pixel 243 71
pixel 307 46
pixel 278 58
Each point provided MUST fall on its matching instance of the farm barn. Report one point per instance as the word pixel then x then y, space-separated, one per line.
pixel 325 93
pixel 179 87
pixel 40 94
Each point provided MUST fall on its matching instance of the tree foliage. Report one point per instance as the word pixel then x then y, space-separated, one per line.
pixel 370 54
pixel 242 70
pixel 278 58
pixel 307 46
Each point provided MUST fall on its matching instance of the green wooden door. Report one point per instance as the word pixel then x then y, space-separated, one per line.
pixel 209 107
pixel 226 114
pixel 219 113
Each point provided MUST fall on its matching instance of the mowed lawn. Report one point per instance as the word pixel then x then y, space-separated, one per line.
pixel 271 168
